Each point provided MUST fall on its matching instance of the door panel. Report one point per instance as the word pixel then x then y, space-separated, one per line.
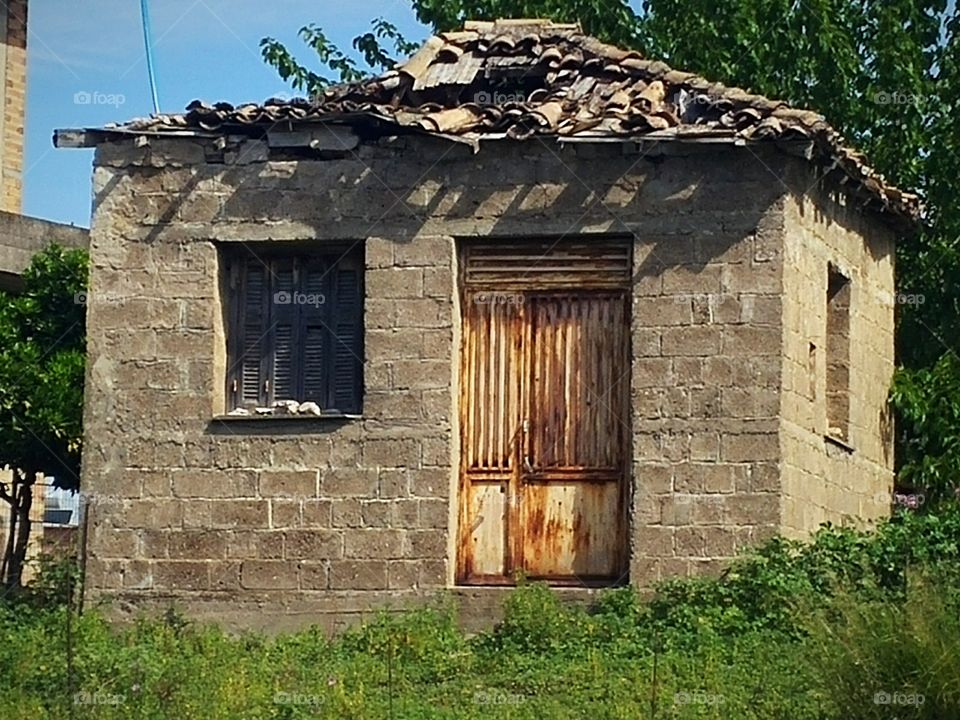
pixel 578 383
pixel 571 530
pixel 571 516
pixel 486 533
pixel 490 429
pixel 544 388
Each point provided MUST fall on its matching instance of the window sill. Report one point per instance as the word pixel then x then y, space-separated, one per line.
pixel 279 425
pixel 837 442
pixel 285 418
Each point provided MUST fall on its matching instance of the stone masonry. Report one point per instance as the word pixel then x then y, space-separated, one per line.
pixel 277 524
pixel 827 481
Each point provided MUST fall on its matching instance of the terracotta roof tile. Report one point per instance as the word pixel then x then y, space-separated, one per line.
pixel 534 77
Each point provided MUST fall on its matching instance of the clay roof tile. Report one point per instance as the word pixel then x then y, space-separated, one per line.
pixel 536 76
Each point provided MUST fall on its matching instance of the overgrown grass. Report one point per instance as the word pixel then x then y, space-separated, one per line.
pixel 814 632
pixel 880 659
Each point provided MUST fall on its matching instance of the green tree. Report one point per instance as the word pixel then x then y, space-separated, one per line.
pixel 42 335
pixel 886 74
pixel 611 20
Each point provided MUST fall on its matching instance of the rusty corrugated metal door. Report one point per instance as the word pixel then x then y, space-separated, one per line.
pixel 489 423
pixel 571 500
pixel 544 391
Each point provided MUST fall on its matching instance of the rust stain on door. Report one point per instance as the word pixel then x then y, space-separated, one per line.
pixel 544 389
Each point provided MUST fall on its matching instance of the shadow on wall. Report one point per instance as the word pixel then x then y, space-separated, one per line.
pixel 664 194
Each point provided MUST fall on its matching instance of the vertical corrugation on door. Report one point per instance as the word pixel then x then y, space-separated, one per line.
pixel 490 384
pixel 576 387
pixel 490 419
pixel 572 518
pixel 543 409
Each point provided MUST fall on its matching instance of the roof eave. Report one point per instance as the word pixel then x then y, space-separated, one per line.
pixel 904 222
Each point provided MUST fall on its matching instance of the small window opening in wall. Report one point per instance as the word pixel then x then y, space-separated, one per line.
pixel 295 336
pixel 838 355
pixel 812 372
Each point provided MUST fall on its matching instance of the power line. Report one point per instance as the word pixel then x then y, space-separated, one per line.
pixel 145 17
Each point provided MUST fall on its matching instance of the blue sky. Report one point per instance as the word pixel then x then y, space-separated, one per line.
pixel 86 67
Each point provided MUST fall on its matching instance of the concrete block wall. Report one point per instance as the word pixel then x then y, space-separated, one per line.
pixel 824 481
pixel 279 525
pixel 184 506
pixel 22 237
pixel 705 387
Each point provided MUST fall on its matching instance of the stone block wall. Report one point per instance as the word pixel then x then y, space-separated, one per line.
pixel 184 506
pixel 825 481
pixel 283 523
pixel 705 388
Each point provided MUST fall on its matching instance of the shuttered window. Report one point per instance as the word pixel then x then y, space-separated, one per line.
pixel 296 330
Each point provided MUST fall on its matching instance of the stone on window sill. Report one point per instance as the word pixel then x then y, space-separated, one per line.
pixel 284 410
pixel 286 418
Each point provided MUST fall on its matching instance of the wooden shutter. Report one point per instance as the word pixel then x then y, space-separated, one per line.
pixel 315 355
pixel 346 323
pixel 282 348
pixel 252 328
pixel 297 331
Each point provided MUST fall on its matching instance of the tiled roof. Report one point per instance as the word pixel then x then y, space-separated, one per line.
pixel 520 78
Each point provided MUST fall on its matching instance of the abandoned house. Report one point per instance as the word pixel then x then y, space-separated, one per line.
pixel 528 303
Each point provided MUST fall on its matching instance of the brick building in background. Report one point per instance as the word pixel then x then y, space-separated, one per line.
pixel 20 236
pixel 13 81
pixel 528 303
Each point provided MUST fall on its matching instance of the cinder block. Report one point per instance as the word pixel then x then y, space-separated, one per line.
pixel 269 575
pixel 373 544
pixel 358 575
pixel 288 483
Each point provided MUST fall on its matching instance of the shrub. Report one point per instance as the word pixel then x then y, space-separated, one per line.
pixel 877 659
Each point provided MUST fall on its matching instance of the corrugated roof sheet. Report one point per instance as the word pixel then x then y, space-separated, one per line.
pixel 534 77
